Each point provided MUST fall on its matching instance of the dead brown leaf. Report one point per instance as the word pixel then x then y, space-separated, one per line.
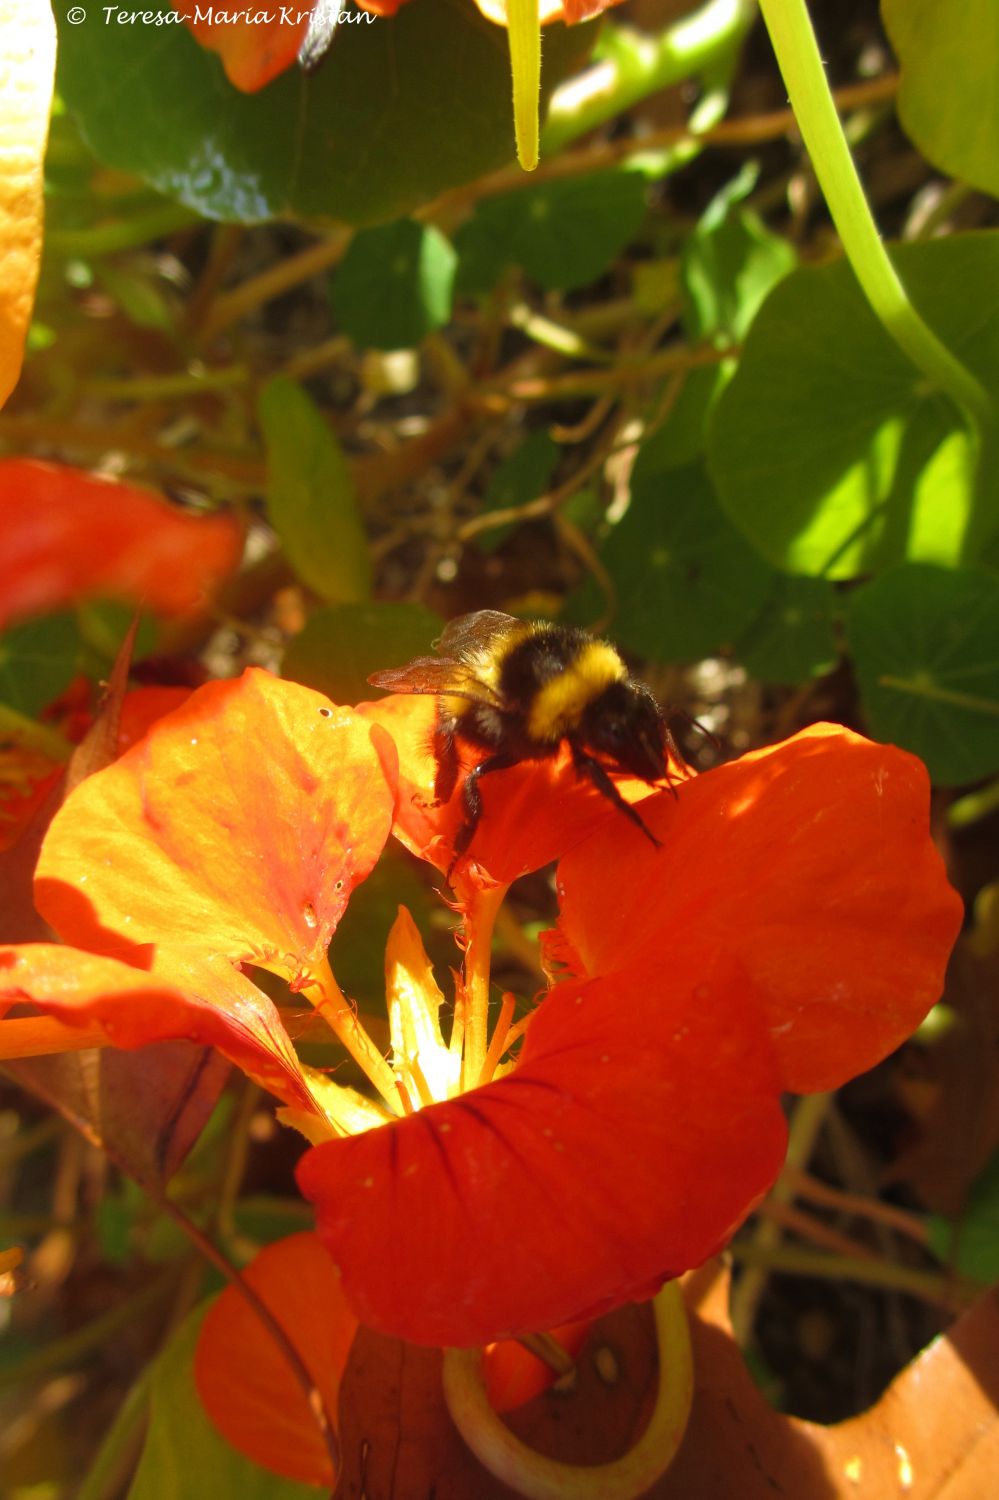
pixel 933 1435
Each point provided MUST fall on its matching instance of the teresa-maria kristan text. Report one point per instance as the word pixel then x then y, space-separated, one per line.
pixel 214 15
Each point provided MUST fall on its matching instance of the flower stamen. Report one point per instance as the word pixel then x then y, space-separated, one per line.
pixel 322 991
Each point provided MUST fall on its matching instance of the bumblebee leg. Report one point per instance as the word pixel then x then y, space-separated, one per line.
pixel 446 756
pixel 471 799
pixel 586 765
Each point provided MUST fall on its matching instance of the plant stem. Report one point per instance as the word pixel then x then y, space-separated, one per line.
pixel 629 66
pixel 808 89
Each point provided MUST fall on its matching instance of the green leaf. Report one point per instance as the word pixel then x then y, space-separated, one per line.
pixel 183 1455
pixel 681 437
pixel 948 99
pixel 729 264
pixel 340 648
pixel 394 285
pixel 792 638
pixel 971 1242
pixel 829 451
pixel 310 496
pixel 687 583
pixel 520 478
pixel 402 109
pixel 925 643
pixel 38 661
pixel 563 233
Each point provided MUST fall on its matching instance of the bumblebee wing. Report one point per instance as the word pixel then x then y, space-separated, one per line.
pixel 439 676
pixel 472 638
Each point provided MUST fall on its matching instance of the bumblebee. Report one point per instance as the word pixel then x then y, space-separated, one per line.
pixel 516 690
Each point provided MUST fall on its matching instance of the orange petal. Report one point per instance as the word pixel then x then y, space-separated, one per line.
pixel 641 1127
pixel 184 996
pixel 514 1375
pixel 811 862
pixel 68 536
pixel 252 51
pixel 27 66
pixel 246 1384
pixel 238 826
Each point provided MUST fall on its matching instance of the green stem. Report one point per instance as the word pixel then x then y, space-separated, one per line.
pixel 524 36
pixel 629 66
pixel 153 223
pixel 808 90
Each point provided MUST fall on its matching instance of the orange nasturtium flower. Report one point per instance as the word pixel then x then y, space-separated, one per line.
pixel 791 930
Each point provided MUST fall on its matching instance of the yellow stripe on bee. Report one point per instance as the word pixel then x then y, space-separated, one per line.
pixel 557 706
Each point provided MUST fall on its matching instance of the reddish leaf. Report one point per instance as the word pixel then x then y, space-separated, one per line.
pixel 239 825
pixel 933 1435
pixel 244 1379
pixel 811 861
pixel 955 1078
pixel 69 536
pixel 143 1110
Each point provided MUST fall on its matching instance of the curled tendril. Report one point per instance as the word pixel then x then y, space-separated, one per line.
pixel 541 1478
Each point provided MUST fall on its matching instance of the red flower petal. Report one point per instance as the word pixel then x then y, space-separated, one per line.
pixel 812 863
pixel 531 814
pixel 513 1375
pixel 640 1128
pixel 252 51
pixel 238 826
pixel 183 996
pixel 244 1380
pixel 69 536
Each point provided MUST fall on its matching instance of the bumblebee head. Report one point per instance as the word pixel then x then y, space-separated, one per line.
pixel 626 725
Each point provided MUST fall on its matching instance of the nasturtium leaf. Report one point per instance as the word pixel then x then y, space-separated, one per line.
pixel 394 285
pixel 340 647
pixel 181 1442
pixel 793 636
pixel 729 264
pixel 562 233
pixel 948 99
pixel 971 1242
pixel 925 643
pixel 680 437
pixel 310 495
pixel 402 109
pixel 829 451
pixel 687 583
pixel 37 661
pixel 520 478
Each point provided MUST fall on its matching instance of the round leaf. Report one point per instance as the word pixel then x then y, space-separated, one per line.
pixel 924 641
pixel 687 583
pixel 828 449
pixel 394 285
pixel 401 109
pixel 564 234
pixel 948 101
pixel 792 637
